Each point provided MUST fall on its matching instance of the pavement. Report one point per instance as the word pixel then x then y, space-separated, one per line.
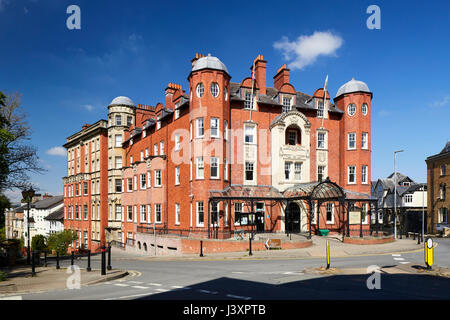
pixel 145 275
pixel 21 281
pixel 317 250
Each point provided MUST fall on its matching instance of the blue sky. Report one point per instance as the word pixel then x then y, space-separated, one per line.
pixel 135 48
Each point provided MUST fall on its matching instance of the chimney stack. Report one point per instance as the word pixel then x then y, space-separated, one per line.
pixel 281 77
pixel 260 73
pixel 170 91
pixel 197 56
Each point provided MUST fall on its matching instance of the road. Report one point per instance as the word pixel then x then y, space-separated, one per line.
pixel 248 279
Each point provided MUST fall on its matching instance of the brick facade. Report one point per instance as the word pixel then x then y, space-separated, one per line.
pixel 214 136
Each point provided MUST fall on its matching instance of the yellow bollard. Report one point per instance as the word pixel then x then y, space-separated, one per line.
pixel 428 253
pixel 328 254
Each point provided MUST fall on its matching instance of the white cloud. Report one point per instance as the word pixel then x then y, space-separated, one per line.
pixel 88 107
pixel 57 151
pixel 440 103
pixel 384 113
pixel 306 49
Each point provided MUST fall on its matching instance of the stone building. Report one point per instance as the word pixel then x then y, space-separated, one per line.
pixel 438 178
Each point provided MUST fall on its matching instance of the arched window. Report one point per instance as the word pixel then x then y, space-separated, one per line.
pixel 293 135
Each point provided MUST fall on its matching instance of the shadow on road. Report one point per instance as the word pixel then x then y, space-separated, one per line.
pixel 336 287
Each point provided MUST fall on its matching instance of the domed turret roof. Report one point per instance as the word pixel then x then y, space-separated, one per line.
pixel 124 101
pixel 353 86
pixel 209 62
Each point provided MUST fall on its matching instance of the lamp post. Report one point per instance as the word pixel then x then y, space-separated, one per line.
pixel 395 193
pixel 28 197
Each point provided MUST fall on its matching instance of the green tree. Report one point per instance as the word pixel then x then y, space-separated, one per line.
pixel 60 241
pixel 17 158
pixel 39 243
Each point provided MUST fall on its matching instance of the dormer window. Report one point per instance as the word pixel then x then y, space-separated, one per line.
pixel 287 104
pixel 320 109
pixel 249 102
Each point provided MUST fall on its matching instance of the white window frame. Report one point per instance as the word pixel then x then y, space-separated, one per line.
pixel 298 171
pixel 200 90
pixel 348 174
pixel 158 175
pixel 143 178
pixel 143 210
pixel 199 164
pixel 161 148
pixel 197 206
pixel 253 170
pixel 177 142
pixel 128 213
pixel 287 169
pixel 351 134
pixel 364 170
pixel 177 175
pixel 199 121
pixel 215 126
pixel 214 162
pixel 215 90
pixel 177 214
pixel 364 141
pixel 252 134
pixel 323 144
pixel 332 213
pixel 225 170
pixel 158 208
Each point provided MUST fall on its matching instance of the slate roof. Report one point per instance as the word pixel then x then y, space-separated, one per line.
pixel 48 202
pixel 302 100
pixel 446 148
pixel 56 215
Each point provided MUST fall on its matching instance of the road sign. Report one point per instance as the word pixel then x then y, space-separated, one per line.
pixel 273 244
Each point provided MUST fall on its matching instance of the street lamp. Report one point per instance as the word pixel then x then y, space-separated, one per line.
pixel 395 193
pixel 28 197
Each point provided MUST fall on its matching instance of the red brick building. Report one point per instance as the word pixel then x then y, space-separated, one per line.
pixel 241 142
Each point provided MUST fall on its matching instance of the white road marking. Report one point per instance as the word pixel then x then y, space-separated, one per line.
pixel 161 290
pixel 399 259
pixel 137 282
pixel 155 284
pixel 131 296
pixel 238 297
pixel 404 262
pixel 11 298
pixel 207 291
pixel 396 255
pixel 237 272
pixel 121 284
pixel 140 287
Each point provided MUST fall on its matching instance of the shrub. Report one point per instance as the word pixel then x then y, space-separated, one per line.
pixel 3 276
pixel 39 243
pixel 60 241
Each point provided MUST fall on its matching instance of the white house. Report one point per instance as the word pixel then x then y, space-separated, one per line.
pixel 40 210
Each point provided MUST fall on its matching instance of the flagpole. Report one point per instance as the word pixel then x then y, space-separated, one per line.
pixel 324 99
pixel 251 97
